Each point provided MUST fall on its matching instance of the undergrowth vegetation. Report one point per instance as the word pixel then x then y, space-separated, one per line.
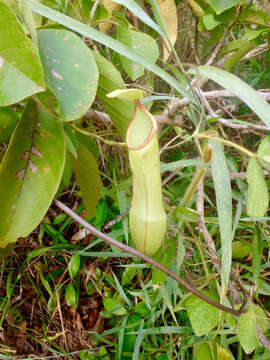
pixel 144 122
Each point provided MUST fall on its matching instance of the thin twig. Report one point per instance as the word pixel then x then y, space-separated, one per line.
pixel 148 260
pixel 202 227
pixel 176 105
pixel 223 39
pixel 116 220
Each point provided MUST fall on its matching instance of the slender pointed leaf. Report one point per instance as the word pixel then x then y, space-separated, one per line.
pixel 257 250
pixel 258 197
pixel 87 173
pixel 136 10
pixel 240 89
pixel 221 176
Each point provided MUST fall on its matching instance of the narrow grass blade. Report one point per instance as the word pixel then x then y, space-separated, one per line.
pixel 140 14
pixel 121 336
pixel 121 291
pixel 139 340
pixel 180 164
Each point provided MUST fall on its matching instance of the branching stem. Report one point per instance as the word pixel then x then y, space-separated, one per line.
pixel 148 260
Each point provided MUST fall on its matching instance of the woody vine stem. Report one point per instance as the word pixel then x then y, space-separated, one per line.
pixel 152 262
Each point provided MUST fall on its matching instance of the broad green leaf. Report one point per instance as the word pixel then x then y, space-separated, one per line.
pixel 252 34
pixel 264 152
pixel 248 337
pixel 127 94
pixel 220 5
pixel 74 265
pixel 8 120
pixel 210 21
pixel 70 71
pixel 17 49
pixel 222 183
pixel 30 173
pixel 14 85
pixel 114 307
pixel 240 249
pixel 203 316
pixel 115 45
pixel 258 17
pixel 240 89
pixel 203 351
pixel 87 174
pixel 110 79
pixel 142 43
pixel 237 56
pixel 258 197
pixel 71 296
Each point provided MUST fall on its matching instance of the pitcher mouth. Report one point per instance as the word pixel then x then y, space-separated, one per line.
pixel 141 128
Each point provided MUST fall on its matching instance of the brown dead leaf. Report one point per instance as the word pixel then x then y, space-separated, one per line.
pixel 99 325
pixel 110 6
pixel 168 10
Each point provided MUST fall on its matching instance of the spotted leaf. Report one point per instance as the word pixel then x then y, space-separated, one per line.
pixel 142 44
pixel 70 71
pixel 30 173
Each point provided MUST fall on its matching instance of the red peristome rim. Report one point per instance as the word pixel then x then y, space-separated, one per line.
pixel 153 127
